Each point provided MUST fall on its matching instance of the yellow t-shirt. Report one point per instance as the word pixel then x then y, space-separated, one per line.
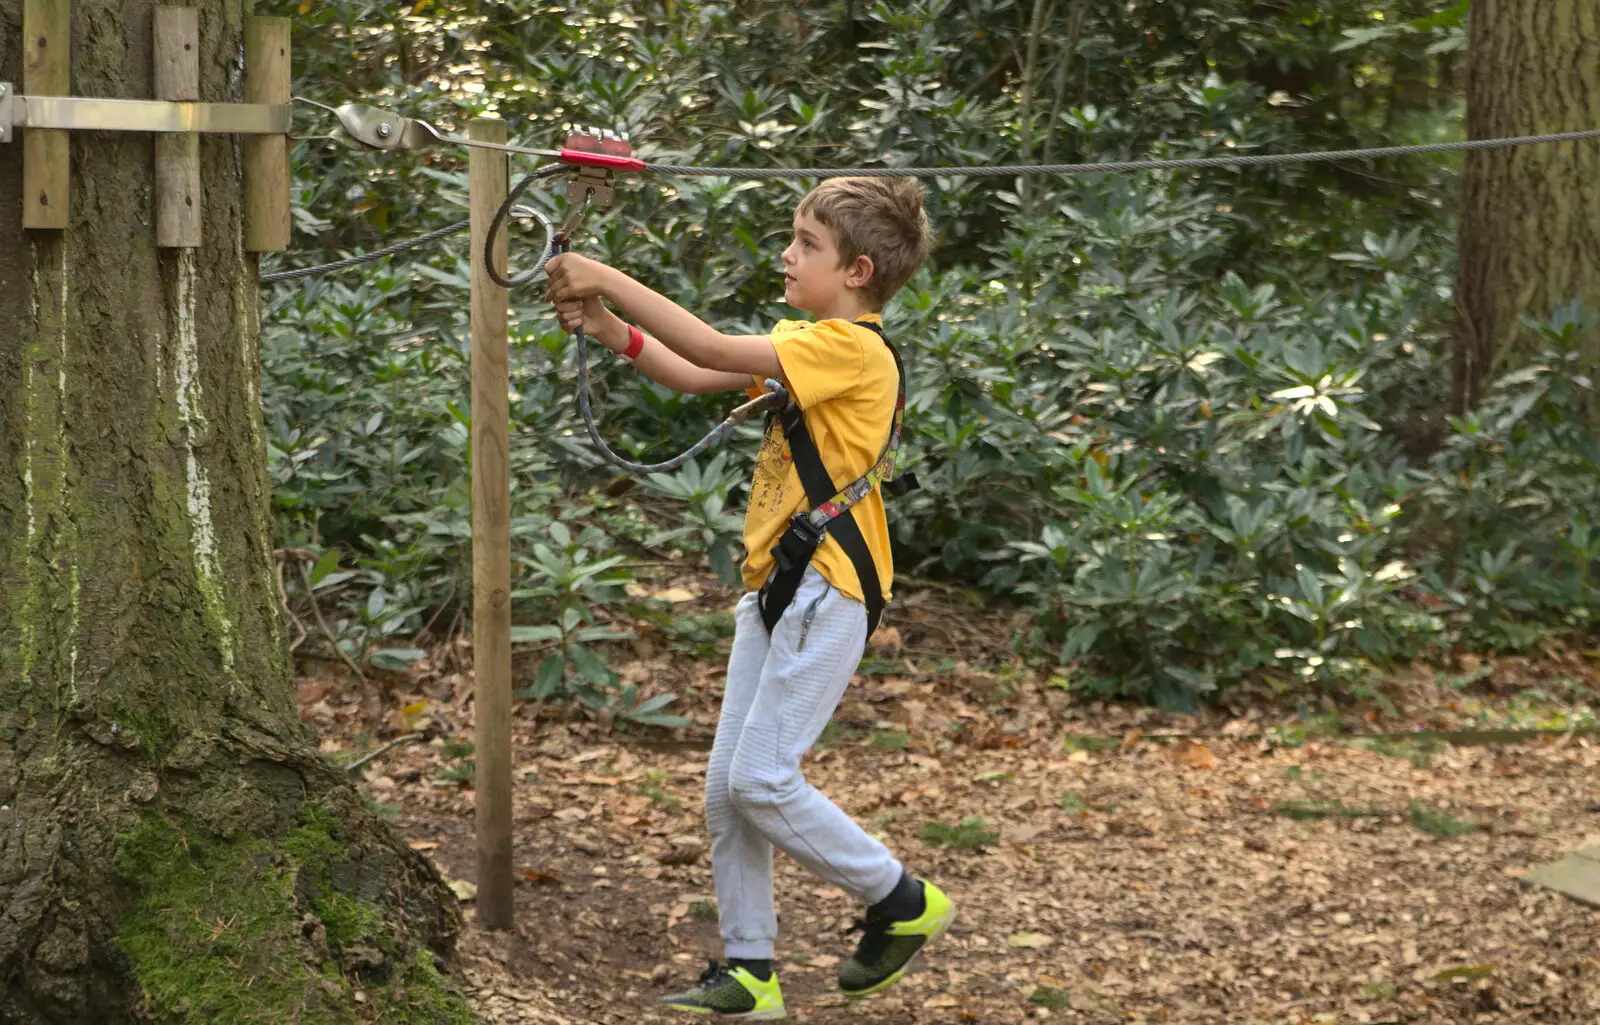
pixel 844 378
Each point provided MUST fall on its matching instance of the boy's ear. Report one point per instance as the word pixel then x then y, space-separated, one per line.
pixel 860 272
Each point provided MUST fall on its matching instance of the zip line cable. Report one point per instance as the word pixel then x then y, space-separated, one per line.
pixel 1243 160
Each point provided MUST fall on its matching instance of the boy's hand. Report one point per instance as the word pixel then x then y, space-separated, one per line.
pixel 573 276
pixel 590 314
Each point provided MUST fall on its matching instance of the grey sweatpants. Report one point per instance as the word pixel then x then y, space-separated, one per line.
pixel 781 692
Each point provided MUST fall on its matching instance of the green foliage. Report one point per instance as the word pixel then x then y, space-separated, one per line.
pixel 1418 753
pixel 1312 811
pixel 1195 422
pixel 836 733
pixel 889 740
pixel 1047 996
pixel 1438 823
pixel 969 835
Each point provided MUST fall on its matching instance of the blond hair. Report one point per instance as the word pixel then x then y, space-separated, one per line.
pixel 879 218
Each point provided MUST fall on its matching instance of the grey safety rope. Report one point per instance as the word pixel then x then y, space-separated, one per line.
pixel 1120 166
pixel 506 209
pixel 559 241
pixel 500 215
pixel 774 398
pixel 376 254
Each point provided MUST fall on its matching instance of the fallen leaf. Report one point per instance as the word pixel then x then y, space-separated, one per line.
pixel 1199 756
pixel 686 854
pixel 1023 834
pixel 542 877
pixel 423 845
pixel 1028 940
pixel 886 640
pixel 676 595
pixel 942 1000
pixel 463 889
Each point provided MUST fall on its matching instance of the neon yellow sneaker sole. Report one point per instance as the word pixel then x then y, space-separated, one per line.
pixel 888 949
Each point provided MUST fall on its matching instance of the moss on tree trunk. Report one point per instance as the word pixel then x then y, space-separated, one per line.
pixel 172 847
pixel 1530 223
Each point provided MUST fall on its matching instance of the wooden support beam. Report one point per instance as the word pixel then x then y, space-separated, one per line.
pixel 488 178
pixel 177 77
pixel 46 153
pixel 266 157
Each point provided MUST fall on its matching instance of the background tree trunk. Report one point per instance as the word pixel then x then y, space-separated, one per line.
pixel 171 843
pixel 1530 221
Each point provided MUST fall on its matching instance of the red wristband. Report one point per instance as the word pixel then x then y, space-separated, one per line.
pixel 635 344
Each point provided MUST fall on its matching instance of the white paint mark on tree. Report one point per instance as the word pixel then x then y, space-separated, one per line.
pixel 64 517
pixel 202 530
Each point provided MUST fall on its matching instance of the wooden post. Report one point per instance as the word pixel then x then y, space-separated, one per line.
pixel 177 77
pixel 491 537
pixel 46 153
pixel 266 157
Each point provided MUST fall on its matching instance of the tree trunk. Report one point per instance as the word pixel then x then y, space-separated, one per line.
pixel 1530 221
pixel 172 846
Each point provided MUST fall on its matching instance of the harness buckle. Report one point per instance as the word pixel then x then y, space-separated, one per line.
pixel 799 543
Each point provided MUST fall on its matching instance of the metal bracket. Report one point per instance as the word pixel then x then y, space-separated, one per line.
pixel 99 115
pixel 592 184
pixel 387 130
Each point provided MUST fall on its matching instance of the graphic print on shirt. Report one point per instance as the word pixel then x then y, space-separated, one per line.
pixel 772 471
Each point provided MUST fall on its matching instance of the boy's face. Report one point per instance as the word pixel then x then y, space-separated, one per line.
pixel 813 280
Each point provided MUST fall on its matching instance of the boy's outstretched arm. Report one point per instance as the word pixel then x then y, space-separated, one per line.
pixel 577 277
pixel 655 360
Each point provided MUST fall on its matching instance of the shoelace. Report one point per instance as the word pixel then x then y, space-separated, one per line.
pixel 874 938
pixel 715 972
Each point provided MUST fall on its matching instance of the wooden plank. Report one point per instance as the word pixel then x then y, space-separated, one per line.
pixel 1577 877
pixel 46 153
pixel 266 157
pixel 488 178
pixel 177 77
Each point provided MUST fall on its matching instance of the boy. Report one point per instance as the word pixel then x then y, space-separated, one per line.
pixel 856 242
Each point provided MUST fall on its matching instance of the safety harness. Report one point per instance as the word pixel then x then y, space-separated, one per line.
pixel 832 508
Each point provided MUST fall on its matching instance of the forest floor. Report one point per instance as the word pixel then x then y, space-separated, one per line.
pixel 1262 867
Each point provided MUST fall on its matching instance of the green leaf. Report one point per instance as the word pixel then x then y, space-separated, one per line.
pixel 325 565
pixel 548 678
pixel 534 634
pixel 397 659
pixel 591 666
pixel 334 579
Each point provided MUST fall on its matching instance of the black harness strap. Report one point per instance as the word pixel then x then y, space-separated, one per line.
pixel 799 544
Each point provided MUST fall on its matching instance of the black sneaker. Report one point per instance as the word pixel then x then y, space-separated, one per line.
pixel 731 993
pixel 887 946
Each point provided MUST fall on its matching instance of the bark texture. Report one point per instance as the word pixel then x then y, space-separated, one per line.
pixel 172 847
pixel 1530 223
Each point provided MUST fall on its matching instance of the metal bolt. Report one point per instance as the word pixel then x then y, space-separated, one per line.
pixel 385 129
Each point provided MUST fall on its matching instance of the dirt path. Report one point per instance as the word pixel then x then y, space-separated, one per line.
pixel 1255 877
